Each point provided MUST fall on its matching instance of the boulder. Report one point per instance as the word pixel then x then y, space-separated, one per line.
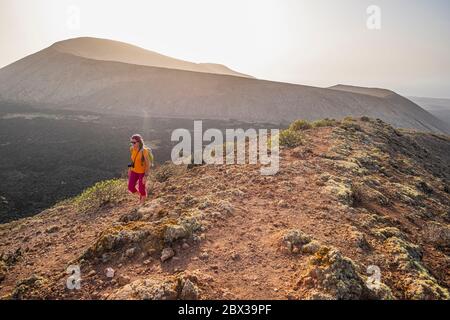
pixel 166 254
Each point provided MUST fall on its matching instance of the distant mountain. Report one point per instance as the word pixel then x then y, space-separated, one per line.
pixel 111 77
pixel 110 50
pixel 440 108
pixel 432 103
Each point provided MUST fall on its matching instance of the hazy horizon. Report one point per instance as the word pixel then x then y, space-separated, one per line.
pixel 320 43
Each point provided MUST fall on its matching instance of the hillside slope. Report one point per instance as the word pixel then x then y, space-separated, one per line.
pixel 352 197
pixel 53 78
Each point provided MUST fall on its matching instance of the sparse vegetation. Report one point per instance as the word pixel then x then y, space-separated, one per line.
pixel 142 236
pixel 325 123
pixel 342 191
pixel 167 170
pixel 108 192
pixel 388 232
pixel 175 287
pixel 348 119
pixel 28 287
pixel 350 124
pixel 290 138
pixel 419 283
pixel 115 238
pixel 331 275
pixel 299 125
pixel 295 239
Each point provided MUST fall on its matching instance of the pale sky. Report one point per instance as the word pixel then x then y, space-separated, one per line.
pixel 312 42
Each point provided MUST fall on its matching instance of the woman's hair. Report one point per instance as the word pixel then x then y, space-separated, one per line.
pixel 141 142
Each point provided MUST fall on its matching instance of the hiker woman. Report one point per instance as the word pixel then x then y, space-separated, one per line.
pixel 138 169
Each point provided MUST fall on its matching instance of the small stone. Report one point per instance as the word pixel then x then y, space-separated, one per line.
pixel 282 204
pixel 204 256
pixel 91 273
pixel 52 229
pixel 290 296
pixel 216 214
pixel 167 253
pixel 189 291
pixel 235 256
pixel 123 280
pixel 109 272
pixel 185 246
pixel 130 252
pixel 289 246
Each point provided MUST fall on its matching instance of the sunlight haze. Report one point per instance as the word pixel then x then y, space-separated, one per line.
pixel 319 43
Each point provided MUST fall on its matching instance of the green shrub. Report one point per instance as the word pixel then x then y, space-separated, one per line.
pixel 163 173
pixel 324 123
pixel 167 170
pixel 290 138
pixel 100 194
pixel 298 125
pixel 348 119
pixel 350 124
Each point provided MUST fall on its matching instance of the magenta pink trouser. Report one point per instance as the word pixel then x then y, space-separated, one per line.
pixel 134 177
